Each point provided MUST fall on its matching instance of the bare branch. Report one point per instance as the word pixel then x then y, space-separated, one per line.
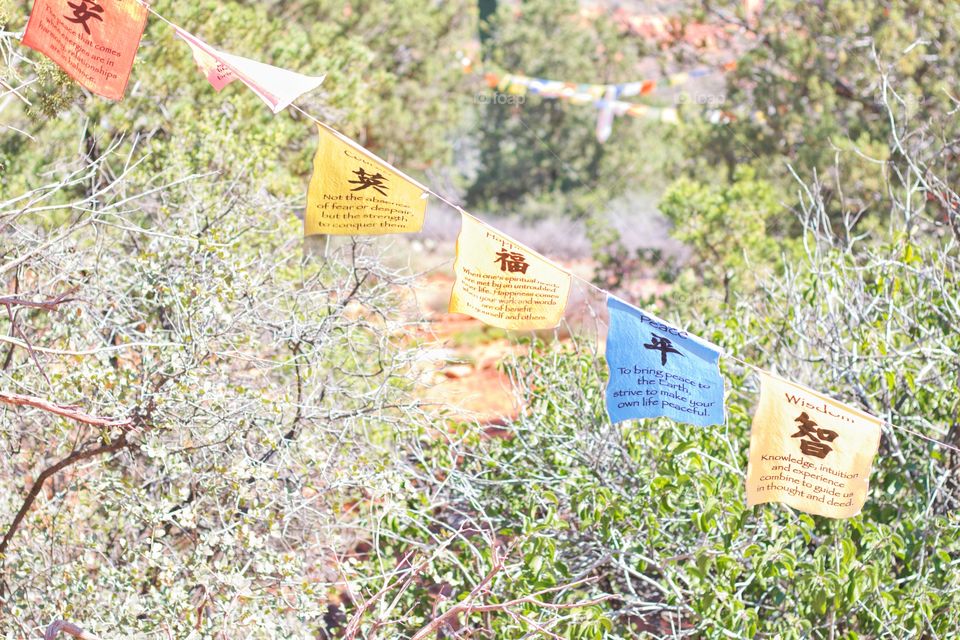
pixel 67 411
pixel 48 473
pixel 47 305
pixel 66 627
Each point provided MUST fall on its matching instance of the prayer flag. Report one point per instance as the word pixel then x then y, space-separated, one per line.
pixel 670 116
pixel 659 370
pixel 606 115
pixel 809 451
pixel 93 41
pixel 352 192
pixel 277 87
pixel 629 89
pixel 503 283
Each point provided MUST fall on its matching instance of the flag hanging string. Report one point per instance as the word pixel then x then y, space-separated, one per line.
pixel 573 275
pixel 886 423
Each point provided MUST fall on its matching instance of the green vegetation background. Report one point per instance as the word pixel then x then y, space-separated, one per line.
pixel 301 490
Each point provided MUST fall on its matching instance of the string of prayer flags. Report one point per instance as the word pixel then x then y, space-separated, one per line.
pixel 630 89
pixel 809 451
pixel 94 41
pixel 603 96
pixel 277 87
pixel 519 84
pixel 667 115
pixel 503 283
pixel 658 370
pixel 352 192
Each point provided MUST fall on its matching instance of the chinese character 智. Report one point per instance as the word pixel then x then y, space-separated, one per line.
pixel 814 438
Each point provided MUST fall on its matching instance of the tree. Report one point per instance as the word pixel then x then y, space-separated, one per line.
pixel 541 157
pixel 806 94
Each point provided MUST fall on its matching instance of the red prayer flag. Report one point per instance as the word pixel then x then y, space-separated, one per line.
pixel 93 41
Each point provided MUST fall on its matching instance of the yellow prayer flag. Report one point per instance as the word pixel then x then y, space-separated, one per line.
pixel 353 193
pixel 809 451
pixel 670 116
pixel 503 283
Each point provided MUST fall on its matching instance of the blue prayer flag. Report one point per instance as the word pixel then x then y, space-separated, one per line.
pixel 658 370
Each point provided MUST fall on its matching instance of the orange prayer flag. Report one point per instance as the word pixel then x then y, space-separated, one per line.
pixel 503 283
pixel 352 192
pixel 809 451
pixel 93 41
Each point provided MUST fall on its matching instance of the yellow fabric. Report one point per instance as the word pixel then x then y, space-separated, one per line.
pixel 670 116
pixel 505 284
pixel 809 451
pixel 351 193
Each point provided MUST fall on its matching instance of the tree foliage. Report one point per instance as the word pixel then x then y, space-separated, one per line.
pixel 541 157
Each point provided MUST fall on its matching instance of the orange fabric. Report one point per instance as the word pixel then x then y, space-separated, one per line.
pixel 93 41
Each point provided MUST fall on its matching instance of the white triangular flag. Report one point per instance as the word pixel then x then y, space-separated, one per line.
pixel 277 87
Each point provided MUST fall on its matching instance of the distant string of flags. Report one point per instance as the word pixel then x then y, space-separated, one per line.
pixel 608 98
pixel 604 97
pixel 581 93
pixel 807 450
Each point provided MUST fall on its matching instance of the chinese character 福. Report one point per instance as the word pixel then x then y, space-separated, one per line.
pixel 512 262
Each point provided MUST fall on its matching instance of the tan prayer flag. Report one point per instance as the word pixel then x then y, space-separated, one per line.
pixel 503 283
pixel 809 451
pixel 354 193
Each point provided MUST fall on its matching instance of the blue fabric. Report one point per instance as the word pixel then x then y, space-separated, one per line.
pixel 658 370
